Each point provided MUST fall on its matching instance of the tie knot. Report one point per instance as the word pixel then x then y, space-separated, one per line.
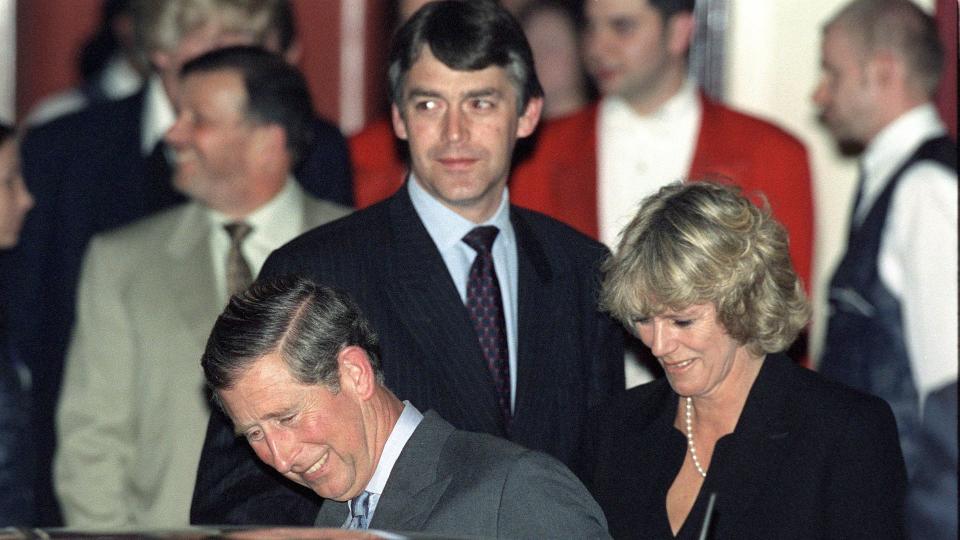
pixel 359 510
pixel 238 230
pixel 481 238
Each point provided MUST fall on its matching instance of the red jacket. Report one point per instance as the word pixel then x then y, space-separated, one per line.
pixel 560 176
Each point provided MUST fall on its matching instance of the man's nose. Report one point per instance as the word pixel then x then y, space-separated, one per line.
pixel 283 450
pixel 820 94
pixel 455 129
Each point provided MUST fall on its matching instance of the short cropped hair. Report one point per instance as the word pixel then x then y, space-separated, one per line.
pixel 669 8
pixel 899 26
pixel 162 24
pixel 308 324
pixel 702 242
pixel 466 36
pixel 276 91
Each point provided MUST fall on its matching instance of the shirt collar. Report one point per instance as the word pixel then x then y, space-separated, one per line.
pixel 446 227
pixel 900 139
pixel 271 222
pixel 158 115
pixel 407 423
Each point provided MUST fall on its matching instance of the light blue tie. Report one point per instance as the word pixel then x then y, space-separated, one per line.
pixel 359 507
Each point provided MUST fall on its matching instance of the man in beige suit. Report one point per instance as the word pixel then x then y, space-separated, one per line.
pixel 133 412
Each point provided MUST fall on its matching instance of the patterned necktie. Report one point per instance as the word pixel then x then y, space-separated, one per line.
pixel 359 508
pixel 239 276
pixel 486 311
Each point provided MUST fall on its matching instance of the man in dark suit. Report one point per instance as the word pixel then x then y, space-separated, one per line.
pixel 463 90
pixel 104 167
pixel 297 369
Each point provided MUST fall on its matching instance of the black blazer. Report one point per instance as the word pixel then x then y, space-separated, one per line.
pixel 88 175
pixel 570 356
pixel 809 459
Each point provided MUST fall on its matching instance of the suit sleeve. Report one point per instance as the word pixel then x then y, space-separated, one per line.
pixel 543 499
pixel 95 415
pixel 866 483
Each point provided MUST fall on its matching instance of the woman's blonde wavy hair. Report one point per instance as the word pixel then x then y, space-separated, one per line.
pixel 700 242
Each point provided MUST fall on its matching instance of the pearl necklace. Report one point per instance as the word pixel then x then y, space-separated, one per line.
pixel 690 445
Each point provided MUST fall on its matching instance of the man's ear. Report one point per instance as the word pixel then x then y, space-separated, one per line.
pixel 399 127
pixel 530 118
pixel 678 34
pixel 884 68
pixel 356 373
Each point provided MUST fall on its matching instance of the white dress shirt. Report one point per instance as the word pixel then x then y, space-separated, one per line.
pixel 637 155
pixel 407 423
pixel 918 246
pixel 447 229
pixel 274 224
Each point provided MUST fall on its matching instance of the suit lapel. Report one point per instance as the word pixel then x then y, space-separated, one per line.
pixel 415 485
pixel 763 438
pixel 427 302
pixel 538 337
pixel 332 514
pixel 192 270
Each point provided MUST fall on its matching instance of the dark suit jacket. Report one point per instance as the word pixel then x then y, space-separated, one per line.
pixel 570 356
pixel 87 175
pixel 809 459
pixel 560 177
pixel 451 482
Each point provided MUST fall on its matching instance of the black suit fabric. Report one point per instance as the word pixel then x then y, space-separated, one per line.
pixel 87 173
pixel 570 356
pixel 809 458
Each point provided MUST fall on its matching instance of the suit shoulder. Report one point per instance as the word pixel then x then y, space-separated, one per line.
pixel 144 231
pixel 358 227
pixel 739 121
pixel 553 230
pixel 828 402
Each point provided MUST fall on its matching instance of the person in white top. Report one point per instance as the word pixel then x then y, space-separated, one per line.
pixel 892 329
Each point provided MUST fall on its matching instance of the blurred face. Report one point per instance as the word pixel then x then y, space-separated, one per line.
pixel 553 40
pixel 461 127
pixel 695 351
pixel 15 200
pixel 306 432
pixel 215 144
pixel 628 49
pixel 847 92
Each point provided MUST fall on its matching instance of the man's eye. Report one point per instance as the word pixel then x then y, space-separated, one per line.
pixel 253 435
pixel 425 105
pixel 683 323
pixel 482 104
pixel 286 420
pixel 641 320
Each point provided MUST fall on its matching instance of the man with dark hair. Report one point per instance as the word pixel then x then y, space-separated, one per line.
pixel 487 312
pixel 892 329
pixel 106 166
pixel 132 414
pixel 653 126
pixel 296 368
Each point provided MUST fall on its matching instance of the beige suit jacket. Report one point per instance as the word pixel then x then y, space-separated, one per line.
pixel 133 410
